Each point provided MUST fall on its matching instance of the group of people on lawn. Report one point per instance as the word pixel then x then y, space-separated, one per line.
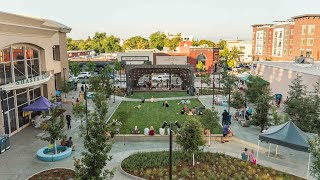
pixel 248 156
pixel 148 131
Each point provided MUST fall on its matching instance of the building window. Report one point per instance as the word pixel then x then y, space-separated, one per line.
pixel 311 29
pixel 285 52
pixel 277 46
pixel 259 42
pixel 56 52
pixel 301 52
pixel 292 31
pixel 290 51
pixel 303 31
pixel 291 41
pixel 303 42
pixel 309 53
pixel 310 42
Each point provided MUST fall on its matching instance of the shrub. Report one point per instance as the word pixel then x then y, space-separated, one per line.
pixel 210 120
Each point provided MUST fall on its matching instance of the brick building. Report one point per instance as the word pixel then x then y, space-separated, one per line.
pixel 286 40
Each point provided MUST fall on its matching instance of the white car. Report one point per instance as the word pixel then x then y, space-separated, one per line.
pixel 164 78
pixel 84 75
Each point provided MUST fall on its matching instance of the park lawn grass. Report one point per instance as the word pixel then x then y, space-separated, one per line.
pixel 154 114
pixel 148 95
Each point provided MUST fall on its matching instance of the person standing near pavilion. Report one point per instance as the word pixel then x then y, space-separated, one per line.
pixel 225 115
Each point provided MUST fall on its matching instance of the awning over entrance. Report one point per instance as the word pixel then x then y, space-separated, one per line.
pixel 25 83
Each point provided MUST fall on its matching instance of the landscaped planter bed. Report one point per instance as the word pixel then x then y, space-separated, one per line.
pixel 154 165
pixel 57 174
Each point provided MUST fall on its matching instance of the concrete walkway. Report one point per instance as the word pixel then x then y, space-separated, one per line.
pixel 20 162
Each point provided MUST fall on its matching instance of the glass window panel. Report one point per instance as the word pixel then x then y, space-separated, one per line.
pixel 8 72
pixel 19 70
pixel 19 91
pixel 13 124
pixel 11 103
pixel 6 123
pixel 22 120
pixel 2 74
pixel 37 93
pixel 17 53
pixel 33 68
pixel 22 98
pixel 5 55
pixel 4 105
pixel 9 94
pixel 31 94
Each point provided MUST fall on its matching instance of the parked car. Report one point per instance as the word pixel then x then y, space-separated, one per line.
pixel 73 78
pixel 161 77
pixel 84 75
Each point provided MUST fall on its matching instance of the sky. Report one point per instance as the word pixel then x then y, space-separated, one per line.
pixel 204 19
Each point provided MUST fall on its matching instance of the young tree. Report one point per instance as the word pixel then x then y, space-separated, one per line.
pixel 260 116
pixel 209 119
pixel 256 85
pixel 190 136
pixel 78 110
pixel 237 99
pixel 101 83
pixel 91 66
pixel 315 151
pixel 54 126
pixel 156 40
pixel 299 104
pixel 74 68
pixel 117 66
pixel 315 110
pixel 96 142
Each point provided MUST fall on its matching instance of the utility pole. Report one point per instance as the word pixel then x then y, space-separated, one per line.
pixel 114 92
pixel 85 96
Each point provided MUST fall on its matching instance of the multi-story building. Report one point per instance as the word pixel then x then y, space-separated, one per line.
pixel 34 63
pixel 287 40
pixel 244 48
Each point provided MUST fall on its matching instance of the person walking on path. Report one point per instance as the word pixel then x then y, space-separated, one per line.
pixel 82 88
pixel 225 115
pixel 68 117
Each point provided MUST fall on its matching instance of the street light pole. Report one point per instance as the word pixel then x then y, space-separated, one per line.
pixel 170 144
pixel 85 96
pixel 114 92
pixel 213 86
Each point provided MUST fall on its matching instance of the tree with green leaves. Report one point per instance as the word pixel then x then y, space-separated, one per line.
pixel 54 126
pixel 228 80
pixel 101 83
pixel 117 66
pixel 260 116
pixel 156 40
pixel 96 142
pixel 234 54
pixel 74 68
pixel 222 44
pixel 299 105
pixel 136 42
pixel 315 152
pixel 200 67
pixel 91 66
pixel 202 42
pixel 255 86
pixel 78 110
pixel 237 99
pixel 173 43
pixel 190 136
pixel 111 44
pixel 72 44
pixel 210 119
pixel 314 113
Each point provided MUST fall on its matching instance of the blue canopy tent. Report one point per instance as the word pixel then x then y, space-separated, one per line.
pixel 41 104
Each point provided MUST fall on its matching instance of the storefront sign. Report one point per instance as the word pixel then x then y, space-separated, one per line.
pixel 135 58
pixel 31 80
pixel 168 60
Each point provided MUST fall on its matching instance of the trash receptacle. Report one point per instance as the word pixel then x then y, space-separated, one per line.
pixel 2 144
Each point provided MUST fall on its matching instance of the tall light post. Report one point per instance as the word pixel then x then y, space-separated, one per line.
pixel 114 92
pixel 170 144
pixel 85 96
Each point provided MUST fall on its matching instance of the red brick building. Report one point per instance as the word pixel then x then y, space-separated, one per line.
pixel 287 40
pixel 205 55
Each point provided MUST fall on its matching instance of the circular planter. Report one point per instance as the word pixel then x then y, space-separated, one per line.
pixel 62 173
pixel 43 153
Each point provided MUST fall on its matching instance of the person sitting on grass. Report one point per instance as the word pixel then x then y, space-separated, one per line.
pixel 182 101
pixel 151 132
pixel 182 111
pixel 135 130
pixel 194 110
pixel 146 131
pixel 190 113
pixel 185 108
pixel 152 99
pixel 165 104
pixel 138 107
pixel 188 101
pixel 70 144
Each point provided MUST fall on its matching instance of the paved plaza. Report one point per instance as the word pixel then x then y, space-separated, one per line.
pixel 20 162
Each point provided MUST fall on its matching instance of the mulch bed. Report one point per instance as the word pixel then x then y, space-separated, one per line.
pixel 56 174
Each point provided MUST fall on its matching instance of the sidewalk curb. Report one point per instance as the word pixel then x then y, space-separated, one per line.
pixel 114 111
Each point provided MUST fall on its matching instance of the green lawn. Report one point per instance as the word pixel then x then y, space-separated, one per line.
pixel 148 95
pixel 154 114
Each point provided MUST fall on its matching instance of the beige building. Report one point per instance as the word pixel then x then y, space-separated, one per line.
pixel 33 63
pixel 280 75
pixel 244 48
